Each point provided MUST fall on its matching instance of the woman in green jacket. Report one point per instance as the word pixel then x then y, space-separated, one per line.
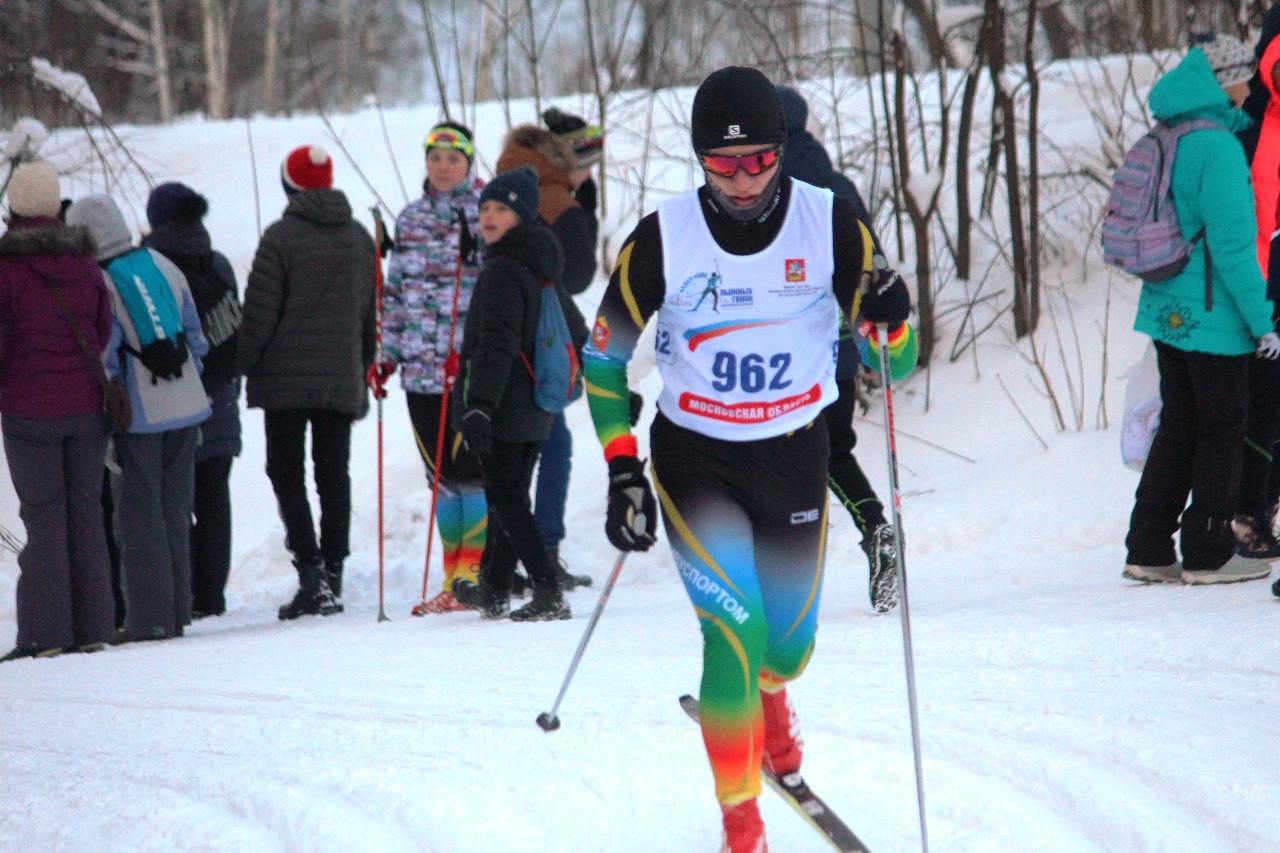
pixel 1204 331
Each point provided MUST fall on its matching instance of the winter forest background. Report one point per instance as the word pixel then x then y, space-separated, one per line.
pixel 955 78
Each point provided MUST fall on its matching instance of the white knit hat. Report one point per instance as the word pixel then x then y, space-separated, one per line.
pixel 34 190
pixel 1230 60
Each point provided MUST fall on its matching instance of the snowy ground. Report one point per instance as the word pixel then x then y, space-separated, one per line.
pixel 1062 708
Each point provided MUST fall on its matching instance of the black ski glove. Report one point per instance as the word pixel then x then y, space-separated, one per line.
pixel 887 300
pixel 477 431
pixel 632 516
pixel 637 406
pixel 468 246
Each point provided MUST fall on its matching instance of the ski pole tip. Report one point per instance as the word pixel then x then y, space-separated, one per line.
pixel 548 722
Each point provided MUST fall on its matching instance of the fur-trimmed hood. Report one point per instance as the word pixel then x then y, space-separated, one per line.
pixel 551 157
pixel 45 236
pixel 557 151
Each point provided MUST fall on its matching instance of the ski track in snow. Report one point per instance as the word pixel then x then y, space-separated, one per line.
pixel 1062 709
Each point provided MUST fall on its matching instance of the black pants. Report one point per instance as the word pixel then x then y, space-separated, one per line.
pixel 1260 473
pixel 513 532
pixel 1196 452
pixel 844 476
pixel 459 464
pixel 286 466
pixel 211 535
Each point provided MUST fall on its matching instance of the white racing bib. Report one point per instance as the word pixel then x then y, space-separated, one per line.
pixel 746 343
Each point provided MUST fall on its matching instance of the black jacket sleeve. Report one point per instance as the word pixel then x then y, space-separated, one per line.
pixel 576 229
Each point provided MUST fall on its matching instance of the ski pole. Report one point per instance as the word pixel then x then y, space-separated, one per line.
pixel 464 247
pixel 882 337
pixel 548 721
pixel 380 233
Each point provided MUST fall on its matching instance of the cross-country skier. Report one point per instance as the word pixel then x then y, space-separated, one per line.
pixel 739 445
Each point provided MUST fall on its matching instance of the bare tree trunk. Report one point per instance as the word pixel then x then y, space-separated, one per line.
pixel 918 215
pixel 964 137
pixel 346 41
pixel 292 31
pixel 1033 170
pixel 1060 31
pixel 1025 314
pixel 371 49
pixel 922 11
pixel 270 57
pixel 490 35
pixel 160 49
pixel 215 23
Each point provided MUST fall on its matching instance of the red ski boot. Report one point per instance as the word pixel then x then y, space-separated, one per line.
pixel 743 829
pixel 783 746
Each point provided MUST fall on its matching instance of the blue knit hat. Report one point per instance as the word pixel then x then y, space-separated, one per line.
pixel 518 190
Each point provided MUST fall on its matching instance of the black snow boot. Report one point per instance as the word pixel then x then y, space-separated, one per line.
pixel 481 597
pixel 333 574
pixel 314 597
pixel 568 582
pixel 520 585
pixel 547 605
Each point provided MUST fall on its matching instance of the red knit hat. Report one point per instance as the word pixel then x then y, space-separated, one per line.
pixel 308 167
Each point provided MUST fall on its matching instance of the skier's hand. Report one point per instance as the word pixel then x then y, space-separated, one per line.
pixel 377 376
pixel 637 407
pixel 887 300
pixel 477 431
pixel 1269 346
pixel 632 516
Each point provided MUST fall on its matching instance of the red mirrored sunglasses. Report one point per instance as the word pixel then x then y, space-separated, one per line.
pixel 753 164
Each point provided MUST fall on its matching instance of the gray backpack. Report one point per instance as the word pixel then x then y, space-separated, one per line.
pixel 1141 235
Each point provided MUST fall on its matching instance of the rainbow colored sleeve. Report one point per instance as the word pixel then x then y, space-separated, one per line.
pixel 621 318
pixel 610 403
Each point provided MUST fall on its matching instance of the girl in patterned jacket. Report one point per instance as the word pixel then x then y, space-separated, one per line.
pixel 429 264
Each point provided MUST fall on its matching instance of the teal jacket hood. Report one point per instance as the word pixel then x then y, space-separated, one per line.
pixel 1191 91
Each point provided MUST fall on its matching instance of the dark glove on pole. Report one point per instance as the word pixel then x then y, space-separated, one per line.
pixel 632 517
pixel 887 300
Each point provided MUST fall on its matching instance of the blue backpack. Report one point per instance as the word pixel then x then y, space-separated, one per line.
pixel 156 318
pixel 556 370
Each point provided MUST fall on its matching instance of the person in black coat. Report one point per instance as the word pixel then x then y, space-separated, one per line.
pixel 175 212
pixel 804 159
pixel 307 340
pixel 493 403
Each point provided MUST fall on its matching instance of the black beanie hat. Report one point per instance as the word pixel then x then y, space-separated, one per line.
pixel 736 106
pixel 176 204
pixel 518 190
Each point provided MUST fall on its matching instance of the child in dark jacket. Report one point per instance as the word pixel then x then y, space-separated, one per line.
pixel 493 403
pixel 176 212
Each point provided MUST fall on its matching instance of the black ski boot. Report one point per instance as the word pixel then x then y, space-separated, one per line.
pixel 314 597
pixel 568 582
pixel 333 574
pixel 490 603
pixel 547 605
pixel 520 585
pixel 882 557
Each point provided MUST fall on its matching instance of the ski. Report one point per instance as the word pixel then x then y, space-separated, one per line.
pixel 797 793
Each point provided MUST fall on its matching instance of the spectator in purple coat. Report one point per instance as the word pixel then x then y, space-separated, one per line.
pixel 55 432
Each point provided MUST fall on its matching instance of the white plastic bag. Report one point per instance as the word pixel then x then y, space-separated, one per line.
pixel 1141 410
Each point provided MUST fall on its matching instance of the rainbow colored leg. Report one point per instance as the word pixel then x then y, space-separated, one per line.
pixel 711 540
